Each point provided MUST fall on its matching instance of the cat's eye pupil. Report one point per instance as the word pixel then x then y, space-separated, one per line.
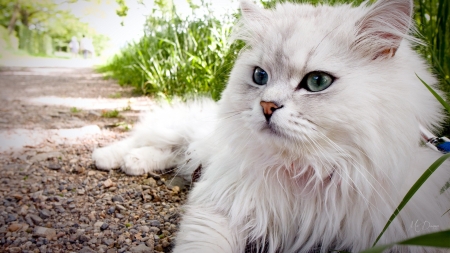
pixel 260 76
pixel 317 81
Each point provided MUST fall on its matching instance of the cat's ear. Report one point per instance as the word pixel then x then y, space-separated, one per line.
pixel 250 10
pixel 253 21
pixel 385 25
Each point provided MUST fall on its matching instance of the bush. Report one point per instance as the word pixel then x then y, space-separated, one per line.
pixel 177 56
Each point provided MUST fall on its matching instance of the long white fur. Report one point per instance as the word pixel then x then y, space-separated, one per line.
pixel 335 164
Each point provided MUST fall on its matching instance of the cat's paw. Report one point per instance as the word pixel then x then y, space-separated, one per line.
pixel 142 160
pixel 107 158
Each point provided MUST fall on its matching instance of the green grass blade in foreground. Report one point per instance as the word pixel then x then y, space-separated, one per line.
pixel 412 191
pixel 439 98
pixel 438 239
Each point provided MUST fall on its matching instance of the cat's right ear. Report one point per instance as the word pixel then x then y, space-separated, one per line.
pixel 253 21
pixel 250 10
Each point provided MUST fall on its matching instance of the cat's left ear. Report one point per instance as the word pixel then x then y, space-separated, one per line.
pixel 385 25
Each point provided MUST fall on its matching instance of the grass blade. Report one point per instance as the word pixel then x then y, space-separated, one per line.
pixel 412 191
pixel 437 239
pixel 439 98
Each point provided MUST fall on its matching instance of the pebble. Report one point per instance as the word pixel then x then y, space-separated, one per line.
pixel 141 248
pixel 11 217
pixel 104 226
pixel 44 232
pixel 36 219
pixel 44 213
pixel 111 210
pixel 108 183
pixel 86 249
pixel 155 223
pixel 54 166
pixel 117 198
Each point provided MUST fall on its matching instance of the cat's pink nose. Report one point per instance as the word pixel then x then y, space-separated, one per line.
pixel 269 108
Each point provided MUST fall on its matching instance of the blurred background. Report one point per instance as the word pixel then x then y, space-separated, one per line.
pixel 163 48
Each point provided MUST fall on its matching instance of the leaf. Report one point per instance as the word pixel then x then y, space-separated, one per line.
pixel 412 191
pixel 437 239
pixel 439 98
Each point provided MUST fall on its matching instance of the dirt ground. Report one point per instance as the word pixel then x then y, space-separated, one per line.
pixel 52 198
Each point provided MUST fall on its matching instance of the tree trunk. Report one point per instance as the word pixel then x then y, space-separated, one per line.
pixel 12 21
pixel 24 17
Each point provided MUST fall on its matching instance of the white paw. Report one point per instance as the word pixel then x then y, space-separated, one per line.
pixel 107 158
pixel 142 160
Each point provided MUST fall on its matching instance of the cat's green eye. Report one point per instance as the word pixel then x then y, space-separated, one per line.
pixel 316 81
pixel 260 76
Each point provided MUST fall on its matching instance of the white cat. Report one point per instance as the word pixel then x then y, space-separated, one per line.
pixel 315 141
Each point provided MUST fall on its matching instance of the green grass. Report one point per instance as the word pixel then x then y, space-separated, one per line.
pixel 177 57
pixel 75 110
pixel 111 114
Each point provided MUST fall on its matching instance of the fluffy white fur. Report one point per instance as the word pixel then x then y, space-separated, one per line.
pixel 331 167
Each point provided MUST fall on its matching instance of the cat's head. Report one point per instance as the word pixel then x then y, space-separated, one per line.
pixel 317 79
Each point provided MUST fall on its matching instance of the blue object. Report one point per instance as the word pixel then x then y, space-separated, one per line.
pixel 444 147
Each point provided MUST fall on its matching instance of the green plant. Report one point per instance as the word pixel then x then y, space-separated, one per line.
pixel 74 110
pixel 177 57
pixel 111 114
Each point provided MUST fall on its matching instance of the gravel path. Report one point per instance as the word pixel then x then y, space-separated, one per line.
pixel 52 198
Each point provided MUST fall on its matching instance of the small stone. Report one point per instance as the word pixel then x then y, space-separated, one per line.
pixel 36 219
pixel 14 250
pixel 176 189
pixel 92 217
pixel 177 181
pixel 108 242
pixel 81 191
pixel 49 233
pixel 120 207
pixel 104 226
pixel 111 210
pixel 83 238
pixel 86 249
pixel 98 225
pixel 144 229
pixel 108 183
pixel 154 223
pixel 159 248
pixel 73 161
pixel 150 243
pixel 14 227
pixel 17 196
pixel 154 230
pixel 91 173
pixel 44 214
pixel 54 166
pixel 117 198
pixel 119 216
pixel 150 182
pixel 111 251
pixel 141 248
pixel 11 217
